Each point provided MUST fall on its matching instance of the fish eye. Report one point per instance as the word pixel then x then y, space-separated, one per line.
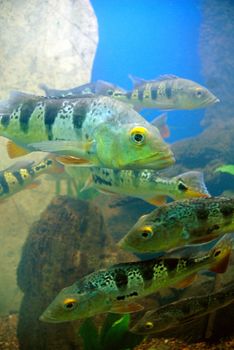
pixel 147 232
pixel 149 325
pixel 182 187
pixel 138 135
pixel 199 93
pixel 110 92
pixel 70 304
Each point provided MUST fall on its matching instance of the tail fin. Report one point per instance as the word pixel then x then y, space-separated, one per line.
pixel 221 254
pixel 195 182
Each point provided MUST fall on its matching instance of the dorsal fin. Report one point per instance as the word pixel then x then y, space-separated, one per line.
pixel 45 88
pixel 20 165
pixel 165 77
pixel 136 81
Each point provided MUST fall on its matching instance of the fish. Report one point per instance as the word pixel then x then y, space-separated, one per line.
pixel 100 87
pixel 147 184
pixel 229 169
pixel 180 222
pixel 23 174
pixel 168 92
pixel 117 288
pixel 91 131
pixel 183 311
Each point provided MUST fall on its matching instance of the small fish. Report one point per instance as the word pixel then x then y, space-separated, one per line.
pixel 180 222
pixel 100 87
pixel 92 131
pixel 183 311
pixel 147 184
pixel 116 288
pixel 22 175
pixel 167 92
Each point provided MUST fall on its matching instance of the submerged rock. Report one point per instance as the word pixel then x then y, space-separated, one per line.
pixel 69 241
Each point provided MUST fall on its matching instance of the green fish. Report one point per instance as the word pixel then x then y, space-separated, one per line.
pixel 23 174
pixel 97 131
pixel 180 222
pixel 147 184
pixel 167 92
pixel 229 169
pixel 183 311
pixel 117 288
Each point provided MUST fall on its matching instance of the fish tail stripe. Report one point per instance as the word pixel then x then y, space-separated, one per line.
pixel 140 94
pixel 4 184
pixel 154 93
pixel 18 177
pixel 168 91
pixel 51 112
pixel 121 279
pixel 79 115
pixel 25 115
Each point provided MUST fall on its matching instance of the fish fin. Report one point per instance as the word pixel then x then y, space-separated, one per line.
pixel 157 200
pixel 195 182
pixel 165 77
pixel 45 88
pixel 161 123
pixel 204 239
pixel 136 81
pixel 106 191
pixel 186 282
pixel 15 151
pixel 62 146
pixel 33 185
pixel 126 308
pixel 70 160
pixel 20 97
pixel 88 184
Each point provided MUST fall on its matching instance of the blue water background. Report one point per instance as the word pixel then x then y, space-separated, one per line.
pixel 148 38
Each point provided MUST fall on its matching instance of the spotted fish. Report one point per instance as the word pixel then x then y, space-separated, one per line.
pixel 147 184
pixel 183 311
pixel 117 288
pixel 167 92
pixel 97 131
pixel 180 222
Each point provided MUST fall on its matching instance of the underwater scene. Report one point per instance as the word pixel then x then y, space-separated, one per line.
pixel 117 175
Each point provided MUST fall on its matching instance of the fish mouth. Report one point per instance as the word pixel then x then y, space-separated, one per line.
pixel 47 317
pixel 123 245
pixel 156 161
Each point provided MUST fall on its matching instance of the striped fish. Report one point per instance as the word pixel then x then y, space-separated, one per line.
pixel 117 288
pixel 167 92
pixel 95 131
pixel 22 175
pixel 183 311
pixel 180 222
pixel 147 184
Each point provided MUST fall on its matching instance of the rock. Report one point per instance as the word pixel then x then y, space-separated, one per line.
pixel 70 240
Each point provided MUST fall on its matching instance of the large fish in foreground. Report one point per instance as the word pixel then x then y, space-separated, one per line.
pixel 147 184
pixel 23 175
pixel 180 222
pixel 117 288
pixel 95 131
pixel 183 311
pixel 167 92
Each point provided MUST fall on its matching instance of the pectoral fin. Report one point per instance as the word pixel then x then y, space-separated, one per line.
pixel 126 308
pixel 15 151
pixel 186 282
pixel 70 160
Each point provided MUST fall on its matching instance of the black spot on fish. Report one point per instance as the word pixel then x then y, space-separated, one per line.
pixel 182 187
pixel 51 112
pixel 121 279
pixel 202 213
pixel 140 94
pixel 212 228
pixel 226 210
pixel 154 93
pixel 133 294
pixel 49 161
pixel 147 272
pixel 121 297
pixel 4 184
pixel 79 115
pixel 98 180
pixel 168 91
pixel 25 114
pixel 18 176
pixel 171 264
pixel 5 120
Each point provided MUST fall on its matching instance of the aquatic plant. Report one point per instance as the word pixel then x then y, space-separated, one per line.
pixel 112 335
pixel 229 169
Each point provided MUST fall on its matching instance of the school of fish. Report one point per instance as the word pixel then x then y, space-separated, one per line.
pixel 97 126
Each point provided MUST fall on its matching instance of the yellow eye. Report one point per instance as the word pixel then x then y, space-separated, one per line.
pixel 70 303
pixel 138 135
pixel 149 325
pixel 146 232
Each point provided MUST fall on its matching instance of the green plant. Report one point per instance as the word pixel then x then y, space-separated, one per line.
pixel 113 334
